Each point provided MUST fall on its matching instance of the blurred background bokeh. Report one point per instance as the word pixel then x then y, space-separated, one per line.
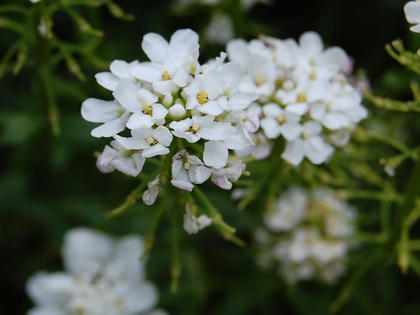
pixel 50 184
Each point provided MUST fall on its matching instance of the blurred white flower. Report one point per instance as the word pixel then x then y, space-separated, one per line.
pixel 412 14
pixel 220 29
pixel 314 232
pixel 103 276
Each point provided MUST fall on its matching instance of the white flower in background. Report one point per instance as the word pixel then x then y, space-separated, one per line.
pixel 412 14
pixel 220 29
pixel 116 157
pixel 313 234
pixel 305 91
pixel 289 210
pixel 193 224
pixel 103 276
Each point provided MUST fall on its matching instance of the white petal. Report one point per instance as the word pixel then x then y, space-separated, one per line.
pixel 131 143
pixel 164 87
pixel 154 150
pixel 109 128
pixel 184 185
pixel 291 131
pixel 131 165
pixel 216 131
pixel 311 42
pixel 120 68
pixel 155 47
pixel 298 108
pixel 159 111
pixel 294 152
pixel 199 174
pixel 240 101
pixel 186 41
pixel 181 78
pixel 336 56
pixel 222 181
pixel 147 96
pixel 140 298
pixel 312 128
pixel 238 51
pixel 139 120
pixel 126 95
pixel 211 108
pixel 318 110
pixel 271 127
pixel 412 11
pixel 215 154
pixel 107 80
pixel 163 135
pixel 335 121
pixel 146 72
pixel 96 110
pixel 317 150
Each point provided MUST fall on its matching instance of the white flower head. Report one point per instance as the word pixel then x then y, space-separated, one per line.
pixel 103 276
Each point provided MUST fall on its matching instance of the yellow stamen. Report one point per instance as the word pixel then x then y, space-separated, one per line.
pixel 202 97
pixel 312 75
pixel 193 128
pixel 281 119
pixel 301 97
pixel 147 108
pixel 152 141
pixel 166 76
pixel 260 79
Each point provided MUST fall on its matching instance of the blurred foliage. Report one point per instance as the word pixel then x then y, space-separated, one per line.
pixel 49 184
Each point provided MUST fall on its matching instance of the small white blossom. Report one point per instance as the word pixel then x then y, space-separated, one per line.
pixel 193 224
pixel 152 191
pixel 220 29
pixel 412 14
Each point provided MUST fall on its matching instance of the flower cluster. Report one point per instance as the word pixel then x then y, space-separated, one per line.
pixel 309 234
pixel 174 103
pixel 103 277
pixel 304 93
pixel 412 14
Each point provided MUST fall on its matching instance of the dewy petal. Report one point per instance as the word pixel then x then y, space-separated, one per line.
pixel 120 68
pixel 154 150
pixel 163 135
pixel 126 95
pixel 215 154
pixel 110 128
pixel 139 120
pixel 311 42
pixel 317 150
pixel 155 47
pixel 96 110
pixel 159 111
pixel 294 152
pixel 107 80
pixel 291 131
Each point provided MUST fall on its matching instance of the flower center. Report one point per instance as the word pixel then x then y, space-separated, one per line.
pixel 146 108
pixel 281 119
pixel 301 97
pixel 152 141
pixel 260 79
pixel 120 111
pixel 202 97
pixel 305 135
pixel 193 128
pixel 166 76
pixel 312 75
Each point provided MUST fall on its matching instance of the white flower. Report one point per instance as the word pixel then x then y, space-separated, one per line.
pixel 193 224
pixel 316 234
pixel 188 169
pixel 277 122
pixel 309 144
pixel 142 103
pixel 152 191
pixel 260 150
pixel 223 177
pixel 103 277
pixel 172 64
pixel 110 113
pixel 116 157
pixel 412 14
pixel 152 141
pixel 289 211
pixel 120 70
